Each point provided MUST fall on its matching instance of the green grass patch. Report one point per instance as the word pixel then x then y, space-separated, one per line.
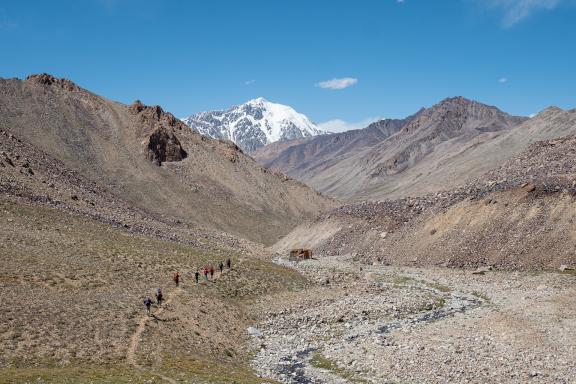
pixel 482 296
pixel 320 361
pixel 435 302
pixel 437 286
pixel 403 280
pixel 439 302
pixel 74 374
pixel 210 371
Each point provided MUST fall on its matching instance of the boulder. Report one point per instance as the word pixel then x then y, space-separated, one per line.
pixel 163 145
pixel 482 270
pixel 529 187
pixel 252 331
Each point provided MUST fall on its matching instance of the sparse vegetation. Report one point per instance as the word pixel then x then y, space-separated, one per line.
pixel 320 361
pixel 482 296
pixel 403 280
pixel 79 286
pixel 209 371
pixel 74 374
pixel 437 286
pixel 433 303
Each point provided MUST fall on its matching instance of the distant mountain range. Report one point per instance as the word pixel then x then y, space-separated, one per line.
pixel 254 124
pixel 435 149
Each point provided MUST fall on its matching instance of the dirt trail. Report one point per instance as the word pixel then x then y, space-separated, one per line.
pixel 135 339
pixel 136 336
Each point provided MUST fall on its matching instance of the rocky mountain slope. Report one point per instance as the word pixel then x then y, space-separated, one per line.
pixel 152 161
pixel 254 124
pixel 81 246
pixel 425 152
pixel 460 160
pixel 312 155
pixel 519 216
pixel 76 265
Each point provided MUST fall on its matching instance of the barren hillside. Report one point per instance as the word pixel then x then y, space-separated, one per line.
pixel 74 290
pixel 312 155
pixel 439 147
pixel 153 161
pixel 78 260
pixel 519 216
pixel 458 161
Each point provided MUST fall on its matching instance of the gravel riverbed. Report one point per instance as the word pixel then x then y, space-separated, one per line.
pixel 381 324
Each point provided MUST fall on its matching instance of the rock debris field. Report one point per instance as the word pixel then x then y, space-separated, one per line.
pixel 382 324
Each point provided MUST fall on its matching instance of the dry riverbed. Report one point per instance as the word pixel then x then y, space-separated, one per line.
pixel 380 324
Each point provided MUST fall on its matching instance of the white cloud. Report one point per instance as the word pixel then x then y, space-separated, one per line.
pixel 335 84
pixel 503 80
pixel 249 82
pixel 338 125
pixel 518 10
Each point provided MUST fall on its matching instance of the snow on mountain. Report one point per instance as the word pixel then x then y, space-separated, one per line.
pixel 254 124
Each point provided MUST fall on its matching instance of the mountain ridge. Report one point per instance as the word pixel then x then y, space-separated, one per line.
pixel 515 216
pixel 254 124
pixel 358 171
pixel 154 161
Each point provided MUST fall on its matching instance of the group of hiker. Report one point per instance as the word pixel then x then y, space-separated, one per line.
pixel 206 271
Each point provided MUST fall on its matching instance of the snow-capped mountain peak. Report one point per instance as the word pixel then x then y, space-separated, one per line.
pixel 254 124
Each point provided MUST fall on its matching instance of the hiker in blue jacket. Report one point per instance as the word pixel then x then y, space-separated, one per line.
pixel 148 304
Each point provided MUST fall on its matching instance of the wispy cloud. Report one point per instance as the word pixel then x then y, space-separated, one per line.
pixel 503 80
pixel 249 82
pixel 516 11
pixel 336 84
pixel 338 125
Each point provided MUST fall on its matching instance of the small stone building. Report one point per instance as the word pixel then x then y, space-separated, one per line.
pixel 300 254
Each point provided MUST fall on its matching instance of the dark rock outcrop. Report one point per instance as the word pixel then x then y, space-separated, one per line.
pixel 155 116
pixel 46 79
pixel 163 145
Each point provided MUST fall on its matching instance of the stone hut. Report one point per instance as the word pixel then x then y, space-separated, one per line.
pixel 300 254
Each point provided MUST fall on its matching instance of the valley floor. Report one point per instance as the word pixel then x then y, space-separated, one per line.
pixel 381 324
pixel 72 292
pixel 72 312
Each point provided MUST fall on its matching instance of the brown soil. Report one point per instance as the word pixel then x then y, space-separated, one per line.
pixel 201 181
pixel 73 289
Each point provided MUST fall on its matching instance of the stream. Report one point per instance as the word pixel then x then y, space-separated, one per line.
pixel 288 349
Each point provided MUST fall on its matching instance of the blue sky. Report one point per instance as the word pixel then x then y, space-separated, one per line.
pixel 351 61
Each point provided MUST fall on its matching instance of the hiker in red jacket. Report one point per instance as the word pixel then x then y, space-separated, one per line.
pixel 176 278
